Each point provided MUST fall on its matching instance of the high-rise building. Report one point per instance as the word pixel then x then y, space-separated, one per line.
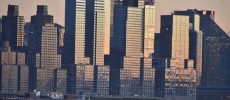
pixel 42 56
pixel 14 71
pixel 215 71
pixel 216 46
pixel 74 39
pixel 13 27
pixel 195 41
pixel 132 38
pixel 94 33
pixel 175 72
pixel 84 47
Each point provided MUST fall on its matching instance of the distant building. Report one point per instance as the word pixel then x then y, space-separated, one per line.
pixel 131 48
pixel 195 41
pixel 42 55
pixel 13 28
pixel 14 71
pixel 90 80
pixel 84 47
pixel 175 72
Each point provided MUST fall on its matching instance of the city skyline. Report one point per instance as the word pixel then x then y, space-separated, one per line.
pixel 115 49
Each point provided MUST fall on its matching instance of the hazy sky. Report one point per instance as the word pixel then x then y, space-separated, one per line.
pixel 163 7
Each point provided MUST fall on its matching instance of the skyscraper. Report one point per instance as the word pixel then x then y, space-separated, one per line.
pixel 74 39
pixel 133 34
pixel 94 33
pixel 215 50
pixel 174 69
pixel 195 41
pixel 42 56
pixel 84 47
pixel 13 27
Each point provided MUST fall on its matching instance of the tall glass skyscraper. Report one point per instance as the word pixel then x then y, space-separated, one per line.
pixel 84 46
pixel 74 39
pixel 13 27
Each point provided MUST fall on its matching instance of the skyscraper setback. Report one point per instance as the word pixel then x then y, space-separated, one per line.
pixel 174 69
pixel 13 27
pixel 42 55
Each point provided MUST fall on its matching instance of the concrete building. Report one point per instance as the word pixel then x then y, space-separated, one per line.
pixel 14 71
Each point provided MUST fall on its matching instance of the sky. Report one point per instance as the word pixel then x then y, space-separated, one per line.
pixel 163 7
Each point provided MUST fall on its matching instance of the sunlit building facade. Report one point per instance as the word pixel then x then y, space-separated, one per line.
pixel 45 62
pixel 195 41
pixel 179 74
pixel 14 71
pixel 13 27
pixel 132 45
pixel 90 80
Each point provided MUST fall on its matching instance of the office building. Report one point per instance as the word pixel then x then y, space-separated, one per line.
pixel 216 46
pixel 132 44
pixel 84 47
pixel 42 55
pixel 13 27
pixel 94 31
pixel 14 71
pixel 74 38
pixel 216 53
pixel 90 80
pixel 179 74
pixel 195 41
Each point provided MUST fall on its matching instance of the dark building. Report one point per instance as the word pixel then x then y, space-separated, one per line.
pixel 27 31
pixel 42 55
pixel 60 33
pixel 14 71
pixel 216 53
pixel 13 27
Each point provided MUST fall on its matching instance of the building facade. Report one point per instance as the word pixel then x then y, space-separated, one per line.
pixel 42 55
pixel 13 27
pixel 132 45
pixel 195 41
pixel 14 71
pixel 179 74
